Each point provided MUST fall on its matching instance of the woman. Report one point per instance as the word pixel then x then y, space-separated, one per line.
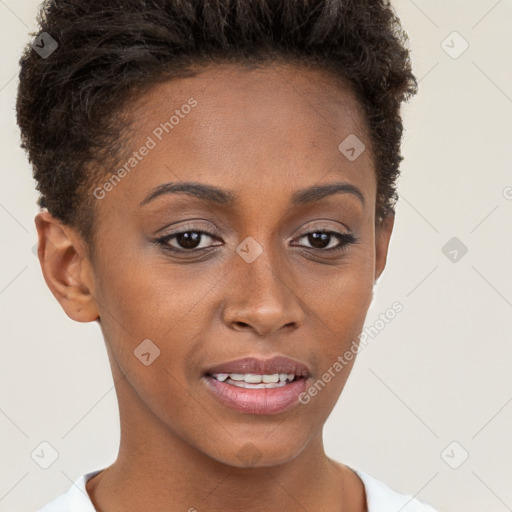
pixel 217 186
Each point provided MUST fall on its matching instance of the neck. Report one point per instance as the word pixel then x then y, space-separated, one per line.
pixel 157 470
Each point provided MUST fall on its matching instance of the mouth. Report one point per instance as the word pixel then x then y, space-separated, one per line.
pixel 258 386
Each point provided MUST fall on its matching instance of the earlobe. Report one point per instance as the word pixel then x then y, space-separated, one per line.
pixel 382 238
pixel 66 268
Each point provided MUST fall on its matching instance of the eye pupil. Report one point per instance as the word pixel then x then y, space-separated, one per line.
pixel 189 239
pixel 319 238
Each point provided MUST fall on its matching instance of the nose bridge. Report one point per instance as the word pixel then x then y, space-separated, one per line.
pixel 262 293
pixel 260 268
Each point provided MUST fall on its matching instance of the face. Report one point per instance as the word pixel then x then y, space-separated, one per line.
pixel 185 281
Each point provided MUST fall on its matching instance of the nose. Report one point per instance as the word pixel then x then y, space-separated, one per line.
pixel 262 298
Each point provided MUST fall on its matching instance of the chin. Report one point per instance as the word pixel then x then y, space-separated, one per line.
pixel 258 454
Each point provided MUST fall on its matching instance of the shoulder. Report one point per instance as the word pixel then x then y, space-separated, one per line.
pixel 57 505
pixel 75 500
pixel 381 498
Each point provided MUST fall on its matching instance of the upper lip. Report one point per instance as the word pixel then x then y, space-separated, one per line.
pixel 277 364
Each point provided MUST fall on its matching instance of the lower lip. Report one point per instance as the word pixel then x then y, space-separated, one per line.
pixel 258 400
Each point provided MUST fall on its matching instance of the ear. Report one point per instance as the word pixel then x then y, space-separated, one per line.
pixel 66 267
pixel 382 237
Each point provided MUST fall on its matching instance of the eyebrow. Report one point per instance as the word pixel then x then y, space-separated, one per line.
pixel 226 197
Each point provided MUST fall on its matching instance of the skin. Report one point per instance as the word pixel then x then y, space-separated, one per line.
pixel 262 134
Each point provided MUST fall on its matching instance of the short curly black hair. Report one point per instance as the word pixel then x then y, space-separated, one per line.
pixel 72 105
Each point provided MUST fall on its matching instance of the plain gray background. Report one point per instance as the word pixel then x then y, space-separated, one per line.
pixel 432 388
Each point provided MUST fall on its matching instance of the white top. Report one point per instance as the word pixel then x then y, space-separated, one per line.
pixel 379 497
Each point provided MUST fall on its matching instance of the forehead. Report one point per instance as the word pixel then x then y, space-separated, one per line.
pixel 248 129
pixel 256 99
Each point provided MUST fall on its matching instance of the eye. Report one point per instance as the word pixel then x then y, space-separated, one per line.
pixel 185 241
pixel 195 240
pixel 327 241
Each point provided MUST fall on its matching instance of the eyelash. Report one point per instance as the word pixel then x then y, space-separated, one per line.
pixel 345 240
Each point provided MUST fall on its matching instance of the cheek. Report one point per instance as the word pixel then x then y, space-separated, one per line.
pixel 340 313
pixel 340 297
pixel 149 301
pixel 340 320
pixel 149 297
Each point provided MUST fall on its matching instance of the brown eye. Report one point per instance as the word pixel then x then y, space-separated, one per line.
pixel 328 240
pixel 319 240
pixel 186 241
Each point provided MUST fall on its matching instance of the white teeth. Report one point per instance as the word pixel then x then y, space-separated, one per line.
pixel 270 385
pixel 252 380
